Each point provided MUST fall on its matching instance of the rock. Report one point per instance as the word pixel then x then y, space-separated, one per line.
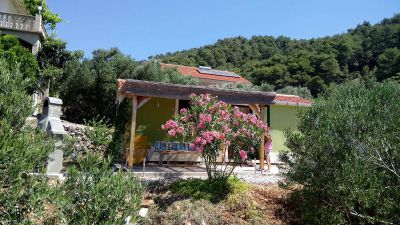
pixel 143 212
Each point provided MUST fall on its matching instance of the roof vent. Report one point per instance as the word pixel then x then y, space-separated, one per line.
pixel 205 67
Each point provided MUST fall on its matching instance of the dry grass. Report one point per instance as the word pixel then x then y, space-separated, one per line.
pixel 258 205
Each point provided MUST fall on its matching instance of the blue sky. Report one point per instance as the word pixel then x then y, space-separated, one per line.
pixel 149 27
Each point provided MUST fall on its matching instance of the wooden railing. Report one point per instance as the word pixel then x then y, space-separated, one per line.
pixel 17 22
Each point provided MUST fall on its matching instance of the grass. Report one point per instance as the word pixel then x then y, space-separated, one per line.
pixel 231 201
pixel 211 190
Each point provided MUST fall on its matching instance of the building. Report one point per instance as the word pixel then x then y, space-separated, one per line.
pixel 15 20
pixel 154 103
pixel 208 76
pixel 282 114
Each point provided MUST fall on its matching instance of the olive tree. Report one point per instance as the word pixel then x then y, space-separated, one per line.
pixel 346 156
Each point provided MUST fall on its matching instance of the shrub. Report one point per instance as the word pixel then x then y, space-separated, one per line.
pixel 99 134
pixel 22 152
pixel 212 190
pixel 211 125
pixel 300 91
pixel 115 149
pixel 346 156
pixel 14 54
pixel 94 195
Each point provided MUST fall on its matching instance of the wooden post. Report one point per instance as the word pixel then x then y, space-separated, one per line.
pixel 133 131
pixel 269 115
pixel 176 107
pixel 262 150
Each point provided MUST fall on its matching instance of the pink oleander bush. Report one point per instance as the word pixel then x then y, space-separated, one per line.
pixel 210 126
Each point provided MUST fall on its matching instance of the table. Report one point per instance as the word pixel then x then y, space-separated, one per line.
pixel 169 152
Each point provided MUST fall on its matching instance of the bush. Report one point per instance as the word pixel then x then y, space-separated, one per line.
pixel 14 54
pixel 211 125
pixel 94 195
pixel 99 134
pixel 22 152
pixel 299 91
pixel 346 156
pixel 211 190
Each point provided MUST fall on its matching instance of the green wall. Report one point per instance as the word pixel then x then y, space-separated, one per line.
pixel 282 117
pixel 152 115
pixel 157 111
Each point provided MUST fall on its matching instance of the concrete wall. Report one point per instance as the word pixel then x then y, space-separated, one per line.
pixel 13 6
pixel 7 6
pixel 282 117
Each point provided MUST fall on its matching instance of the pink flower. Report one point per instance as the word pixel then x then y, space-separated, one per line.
pixel 208 118
pixel 202 117
pixel 200 125
pixel 226 129
pixel 253 119
pixel 180 130
pixel 172 133
pixel 218 135
pixel 170 124
pixel 163 127
pixel 228 143
pixel 198 140
pixel 237 114
pixel 183 111
pixel 199 149
pixel 243 154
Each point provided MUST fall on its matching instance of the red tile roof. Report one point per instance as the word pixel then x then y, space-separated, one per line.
pixel 194 72
pixel 281 99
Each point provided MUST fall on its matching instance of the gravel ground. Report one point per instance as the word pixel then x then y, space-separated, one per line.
pixel 261 179
pixel 248 177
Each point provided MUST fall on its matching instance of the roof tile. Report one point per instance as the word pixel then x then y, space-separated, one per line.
pixel 193 71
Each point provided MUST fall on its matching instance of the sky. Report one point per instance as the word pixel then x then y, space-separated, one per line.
pixel 150 27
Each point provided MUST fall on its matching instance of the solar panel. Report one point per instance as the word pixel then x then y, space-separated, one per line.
pixel 217 72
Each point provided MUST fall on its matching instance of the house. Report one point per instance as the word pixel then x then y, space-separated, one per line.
pixel 208 76
pixel 282 113
pixel 15 20
pixel 154 103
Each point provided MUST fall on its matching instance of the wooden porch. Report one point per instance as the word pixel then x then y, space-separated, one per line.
pixel 140 92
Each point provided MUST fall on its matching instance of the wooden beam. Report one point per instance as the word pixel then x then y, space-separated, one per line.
pixel 120 97
pixel 142 101
pixel 177 91
pixel 262 142
pixel 255 110
pixel 133 131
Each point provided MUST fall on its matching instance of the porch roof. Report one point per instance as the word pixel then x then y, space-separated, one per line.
pixel 183 92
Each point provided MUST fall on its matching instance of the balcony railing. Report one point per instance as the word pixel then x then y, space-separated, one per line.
pixel 22 23
pixel 17 22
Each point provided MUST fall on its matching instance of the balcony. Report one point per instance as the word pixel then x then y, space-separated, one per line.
pixel 22 23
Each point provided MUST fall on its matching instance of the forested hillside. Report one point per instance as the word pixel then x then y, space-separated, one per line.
pixel 367 50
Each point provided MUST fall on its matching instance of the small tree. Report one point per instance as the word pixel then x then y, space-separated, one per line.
pixel 211 125
pixel 346 156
